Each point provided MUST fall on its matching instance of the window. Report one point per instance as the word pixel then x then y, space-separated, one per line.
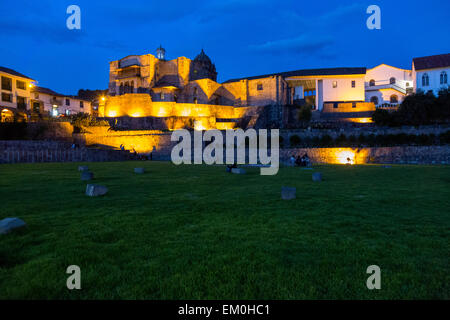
pixel 195 91
pixel 335 105
pixel 334 84
pixel 195 100
pixel 392 80
pixel 21 85
pixel 443 77
pixel 21 103
pixel 36 107
pixel 372 83
pixel 67 102
pixel 6 83
pixel 353 84
pixel 259 87
pixel 407 84
pixel 161 96
pixel 394 99
pixel 7 97
pixel 353 104
pixel 55 111
pixel 81 104
pixel 425 80
pixel 374 99
pixel 36 95
pixel 67 112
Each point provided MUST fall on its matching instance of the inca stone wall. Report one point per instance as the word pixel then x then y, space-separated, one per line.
pixel 391 155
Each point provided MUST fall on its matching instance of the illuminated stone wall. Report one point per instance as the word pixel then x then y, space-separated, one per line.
pixel 348 107
pixel 390 155
pixel 142 141
pixel 141 105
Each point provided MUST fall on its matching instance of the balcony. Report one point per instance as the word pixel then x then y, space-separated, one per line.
pixel 388 86
pixel 129 72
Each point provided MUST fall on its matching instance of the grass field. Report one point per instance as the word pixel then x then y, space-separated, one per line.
pixel 196 232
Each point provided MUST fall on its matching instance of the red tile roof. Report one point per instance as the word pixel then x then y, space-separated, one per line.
pixel 430 62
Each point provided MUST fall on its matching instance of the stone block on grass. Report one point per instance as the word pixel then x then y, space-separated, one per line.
pixel 83 168
pixel 139 170
pixel 94 190
pixel 87 175
pixel 238 171
pixel 317 176
pixel 288 193
pixel 9 224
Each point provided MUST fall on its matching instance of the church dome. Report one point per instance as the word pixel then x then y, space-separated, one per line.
pixel 202 57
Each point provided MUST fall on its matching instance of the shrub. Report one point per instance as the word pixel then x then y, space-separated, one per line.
pixel 295 140
pixel 382 117
pixel 304 113
pixel 326 140
pixel 444 137
pixel 13 130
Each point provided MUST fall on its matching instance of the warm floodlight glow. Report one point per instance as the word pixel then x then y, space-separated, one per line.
pixel 198 126
pixel 112 113
pixel 345 157
pixel 103 98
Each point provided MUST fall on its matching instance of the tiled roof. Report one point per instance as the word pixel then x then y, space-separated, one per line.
pixel 53 93
pixel 430 62
pixel 308 72
pixel 47 91
pixel 13 72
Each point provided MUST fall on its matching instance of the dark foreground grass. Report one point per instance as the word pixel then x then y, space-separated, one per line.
pixel 196 232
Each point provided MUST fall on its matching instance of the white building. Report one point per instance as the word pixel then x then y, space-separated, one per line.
pixel 15 93
pixel 431 73
pixel 387 86
pixel 328 86
pixel 44 100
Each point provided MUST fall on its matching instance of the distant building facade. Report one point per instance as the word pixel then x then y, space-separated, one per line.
pixel 15 94
pixel 387 86
pixel 431 73
pixel 49 102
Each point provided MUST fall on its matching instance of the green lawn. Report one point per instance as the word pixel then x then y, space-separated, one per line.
pixel 196 232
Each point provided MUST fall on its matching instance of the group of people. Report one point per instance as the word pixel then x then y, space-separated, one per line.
pixel 302 161
pixel 140 156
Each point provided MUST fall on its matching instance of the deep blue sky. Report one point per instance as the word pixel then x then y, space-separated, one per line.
pixel 242 37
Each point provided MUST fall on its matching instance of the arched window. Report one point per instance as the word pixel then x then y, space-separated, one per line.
pixel 374 99
pixel 195 100
pixel 425 80
pixel 392 80
pixel 372 83
pixel 443 77
pixel 394 99
pixel 121 88
pixel 132 87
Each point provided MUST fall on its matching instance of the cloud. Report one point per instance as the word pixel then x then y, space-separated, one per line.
pixel 303 44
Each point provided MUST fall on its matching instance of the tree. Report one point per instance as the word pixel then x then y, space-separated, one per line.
pixel 304 113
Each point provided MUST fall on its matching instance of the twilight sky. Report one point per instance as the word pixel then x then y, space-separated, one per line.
pixel 242 37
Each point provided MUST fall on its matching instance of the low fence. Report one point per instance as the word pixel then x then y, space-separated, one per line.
pixel 52 151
